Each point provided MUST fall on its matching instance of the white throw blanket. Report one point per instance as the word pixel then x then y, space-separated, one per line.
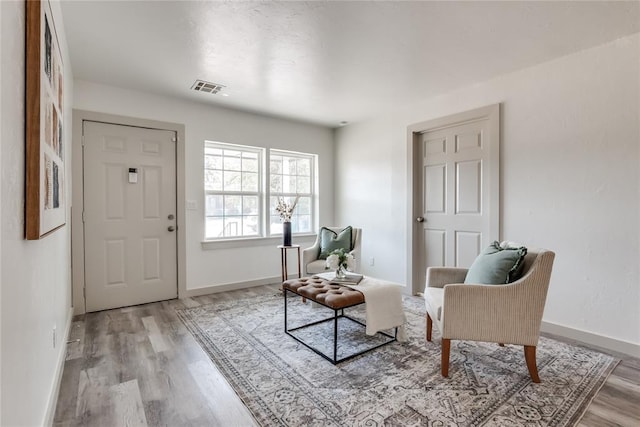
pixel 383 304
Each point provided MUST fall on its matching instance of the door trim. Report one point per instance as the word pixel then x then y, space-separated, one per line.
pixel 77 204
pixel 490 113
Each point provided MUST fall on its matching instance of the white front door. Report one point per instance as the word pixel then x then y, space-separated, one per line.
pixel 129 215
pixel 456 196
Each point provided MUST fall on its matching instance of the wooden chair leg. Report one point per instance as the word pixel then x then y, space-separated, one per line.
pixel 446 346
pixel 530 357
pixel 429 327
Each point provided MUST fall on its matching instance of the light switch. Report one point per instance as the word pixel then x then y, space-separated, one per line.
pixel 192 205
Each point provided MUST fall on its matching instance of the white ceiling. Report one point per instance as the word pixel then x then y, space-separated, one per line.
pixel 327 62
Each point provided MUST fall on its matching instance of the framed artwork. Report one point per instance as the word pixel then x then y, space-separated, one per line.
pixel 45 193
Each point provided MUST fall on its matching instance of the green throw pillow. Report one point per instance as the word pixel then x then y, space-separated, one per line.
pixel 496 265
pixel 330 241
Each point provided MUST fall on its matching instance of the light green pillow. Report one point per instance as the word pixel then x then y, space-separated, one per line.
pixel 330 241
pixel 496 265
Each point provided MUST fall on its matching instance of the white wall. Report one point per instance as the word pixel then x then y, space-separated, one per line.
pixel 226 266
pixel 570 180
pixel 35 285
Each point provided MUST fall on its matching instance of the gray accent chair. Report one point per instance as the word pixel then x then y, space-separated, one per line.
pixel 312 265
pixel 504 314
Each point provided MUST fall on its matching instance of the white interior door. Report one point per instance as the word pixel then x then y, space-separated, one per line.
pixel 457 194
pixel 129 215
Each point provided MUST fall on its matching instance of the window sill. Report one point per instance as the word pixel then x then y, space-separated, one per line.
pixel 249 242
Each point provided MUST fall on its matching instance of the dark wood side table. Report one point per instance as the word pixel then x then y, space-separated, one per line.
pixel 283 260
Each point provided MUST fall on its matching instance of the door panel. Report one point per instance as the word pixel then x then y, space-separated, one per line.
pixel 467 138
pixel 456 191
pixel 115 254
pixel 469 187
pixel 151 192
pixel 434 246
pixel 113 191
pixel 151 256
pixel 436 190
pixel 130 254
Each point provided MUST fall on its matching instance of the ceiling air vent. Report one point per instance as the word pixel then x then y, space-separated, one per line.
pixel 207 87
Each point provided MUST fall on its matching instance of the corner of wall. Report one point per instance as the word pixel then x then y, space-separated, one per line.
pixel 57 378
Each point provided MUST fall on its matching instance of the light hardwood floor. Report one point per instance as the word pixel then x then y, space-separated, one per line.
pixel 139 366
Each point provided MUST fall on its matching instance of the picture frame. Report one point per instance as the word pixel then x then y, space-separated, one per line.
pixel 45 186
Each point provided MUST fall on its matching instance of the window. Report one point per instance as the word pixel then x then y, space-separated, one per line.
pixel 238 187
pixel 232 182
pixel 291 175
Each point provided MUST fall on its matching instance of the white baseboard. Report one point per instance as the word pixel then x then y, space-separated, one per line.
pixel 57 380
pixel 231 286
pixel 607 343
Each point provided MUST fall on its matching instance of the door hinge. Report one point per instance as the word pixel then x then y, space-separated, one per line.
pixel 83 216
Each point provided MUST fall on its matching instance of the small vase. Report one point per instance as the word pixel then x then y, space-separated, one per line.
pixel 286 233
pixel 341 272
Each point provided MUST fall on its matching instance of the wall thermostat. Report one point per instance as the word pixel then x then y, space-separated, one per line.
pixel 133 175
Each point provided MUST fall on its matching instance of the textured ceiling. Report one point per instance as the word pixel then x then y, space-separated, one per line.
pixel 327 62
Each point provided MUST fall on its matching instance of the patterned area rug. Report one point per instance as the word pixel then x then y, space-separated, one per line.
pixel 285 384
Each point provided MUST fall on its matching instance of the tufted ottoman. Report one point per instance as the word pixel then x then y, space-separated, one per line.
pixel 331 295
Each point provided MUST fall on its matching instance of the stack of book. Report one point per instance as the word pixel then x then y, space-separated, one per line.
pixel 350 279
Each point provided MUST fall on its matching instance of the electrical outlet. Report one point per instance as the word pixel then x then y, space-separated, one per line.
pixel 54 337
pixel 372 261
pixel 191 205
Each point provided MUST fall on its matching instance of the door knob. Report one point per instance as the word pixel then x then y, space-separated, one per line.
pixel 171 228
pixel 171 216
pixel 420 219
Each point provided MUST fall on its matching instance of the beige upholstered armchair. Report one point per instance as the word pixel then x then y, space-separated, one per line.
pixel 312 265
pixel 505 314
